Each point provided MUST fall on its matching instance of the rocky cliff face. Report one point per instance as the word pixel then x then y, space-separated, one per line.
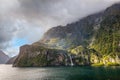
pixel 31 55
pixel 3 57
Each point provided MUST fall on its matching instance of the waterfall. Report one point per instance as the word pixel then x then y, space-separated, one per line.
pixel 71 61
pixel 66 59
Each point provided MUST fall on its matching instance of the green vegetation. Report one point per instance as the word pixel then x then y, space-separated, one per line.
pixel 107 40
pixel 39 56
pixel 108 36
pixel 76 50
pixel 112 64
pixel 97 64
pixel 104 48
pixel 107 64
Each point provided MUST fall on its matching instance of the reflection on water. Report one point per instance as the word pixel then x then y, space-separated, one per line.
pixel 61 73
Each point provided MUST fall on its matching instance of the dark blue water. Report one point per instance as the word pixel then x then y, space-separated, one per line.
pixel 60 73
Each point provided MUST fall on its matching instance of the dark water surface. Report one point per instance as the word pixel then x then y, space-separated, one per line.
pixel 59 73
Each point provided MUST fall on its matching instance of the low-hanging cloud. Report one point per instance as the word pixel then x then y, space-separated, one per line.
pixel 29 19
pixel 60 12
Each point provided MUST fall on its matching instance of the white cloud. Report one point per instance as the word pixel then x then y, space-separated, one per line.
pixel 8 6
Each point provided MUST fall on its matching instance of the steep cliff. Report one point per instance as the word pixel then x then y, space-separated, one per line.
pixel 32 55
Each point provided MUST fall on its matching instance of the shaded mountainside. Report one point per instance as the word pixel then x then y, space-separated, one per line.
pixel 3 57
pixel 75 34
pixel 94 39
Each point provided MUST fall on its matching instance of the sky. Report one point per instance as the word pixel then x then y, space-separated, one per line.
pixel 25 21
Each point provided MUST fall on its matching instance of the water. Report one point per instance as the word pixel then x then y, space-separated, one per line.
pixel 60 73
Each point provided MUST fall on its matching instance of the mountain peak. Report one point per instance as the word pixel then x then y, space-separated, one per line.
pixel 113 10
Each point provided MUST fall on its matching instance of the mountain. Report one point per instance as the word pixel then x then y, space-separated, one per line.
pixel 95 39
pixel 3 57
pixel 11 60
pixel 100 31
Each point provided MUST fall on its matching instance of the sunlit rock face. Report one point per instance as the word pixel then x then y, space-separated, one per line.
pixel 3 57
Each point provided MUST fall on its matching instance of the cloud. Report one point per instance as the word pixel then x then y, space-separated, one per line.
pixel 29 19
pixel 19 29
pixel 60 12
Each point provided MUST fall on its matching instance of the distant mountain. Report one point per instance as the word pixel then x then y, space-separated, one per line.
pixel 11 60
pixel 3 57
pixel 93 39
